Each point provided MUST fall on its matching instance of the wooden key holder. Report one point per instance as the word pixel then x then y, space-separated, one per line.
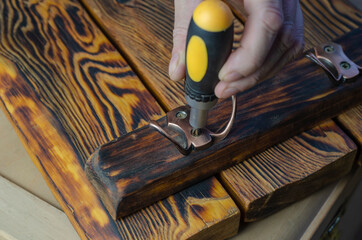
pixel 144 166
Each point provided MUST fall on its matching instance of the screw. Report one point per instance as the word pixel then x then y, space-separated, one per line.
pixel 181 115
pixel 328 49
pixel 345 65
pixel 195 132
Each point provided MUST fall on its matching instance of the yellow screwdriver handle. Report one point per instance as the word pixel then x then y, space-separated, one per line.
pixel 208 45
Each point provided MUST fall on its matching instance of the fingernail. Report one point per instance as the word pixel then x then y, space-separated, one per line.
pixel 174 62
pixel 230 77
pixel 228 92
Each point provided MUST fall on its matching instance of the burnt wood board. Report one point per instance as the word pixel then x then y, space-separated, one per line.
pixel 142 30
pixel 66 90
pixel 323 20
pixel 142 167
pixel 351 123
pixel 340 16
pixel 290 170
pixel 149 223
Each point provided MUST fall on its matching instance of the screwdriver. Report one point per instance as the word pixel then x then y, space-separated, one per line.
pixel 208 45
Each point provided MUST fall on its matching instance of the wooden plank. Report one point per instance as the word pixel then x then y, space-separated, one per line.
pixel 66 90
pixel 295 221
pixel 24 216
pixel 204 211
pixel 351 123
pixel 75 71
pixel 278 108
pixel 328 19
pixel 199 211
pixel 285 224
pixel 143 31
pixel 342 15
pixel 323 19
pixel 57 158
pixel 261 185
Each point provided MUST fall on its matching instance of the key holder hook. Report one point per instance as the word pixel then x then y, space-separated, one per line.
pixel 178 120
pixel 332 59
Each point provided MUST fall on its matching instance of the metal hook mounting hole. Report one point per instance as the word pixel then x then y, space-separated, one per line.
pixel 181 114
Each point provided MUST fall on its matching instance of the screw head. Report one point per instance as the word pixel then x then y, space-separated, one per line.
pixel 329 49
pixel 345 65
pixel 181 115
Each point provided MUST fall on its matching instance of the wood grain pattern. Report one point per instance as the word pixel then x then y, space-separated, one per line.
pixel 75 71
pixel 323 19
pixel 352 123
pixel 55 157
pixel 204 211
pixel 143 32
pixel 261 184
pixel 66 90
pixel 278 108
pixel 89 228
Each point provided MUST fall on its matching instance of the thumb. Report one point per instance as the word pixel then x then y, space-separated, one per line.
pixel 183 15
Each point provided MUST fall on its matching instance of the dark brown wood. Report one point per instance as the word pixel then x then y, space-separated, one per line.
pixel 342 16
pixel 66 90
pixel 351 123
pixel 323 19
pixel 328 19
pixel 204 211
pixel 262 184
pixel 58 147
pixel 143 166
pixel 143 32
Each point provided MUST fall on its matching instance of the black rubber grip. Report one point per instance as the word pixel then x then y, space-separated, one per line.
pixel 218 45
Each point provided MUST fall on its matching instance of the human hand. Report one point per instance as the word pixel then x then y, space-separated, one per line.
pixel 273 36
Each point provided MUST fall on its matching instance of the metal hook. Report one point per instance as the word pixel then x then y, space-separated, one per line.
pixel 178 120
pixel 330 57
pixel 220 136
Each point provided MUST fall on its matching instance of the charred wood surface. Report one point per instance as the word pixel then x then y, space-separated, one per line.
pixel 299 97
pixel 67 90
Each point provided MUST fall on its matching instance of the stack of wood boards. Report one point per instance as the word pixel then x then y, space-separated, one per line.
pixel 69 85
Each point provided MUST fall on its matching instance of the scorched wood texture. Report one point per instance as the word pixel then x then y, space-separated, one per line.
pixel 299 97
pixel 66 90
pixel 260 185
pixel 352 123
pixel 323 20
pixel 143 32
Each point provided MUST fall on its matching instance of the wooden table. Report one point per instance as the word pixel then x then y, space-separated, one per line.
pixel 28 205
pixel 19 170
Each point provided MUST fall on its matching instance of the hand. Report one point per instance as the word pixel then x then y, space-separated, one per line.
pixel 273 36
